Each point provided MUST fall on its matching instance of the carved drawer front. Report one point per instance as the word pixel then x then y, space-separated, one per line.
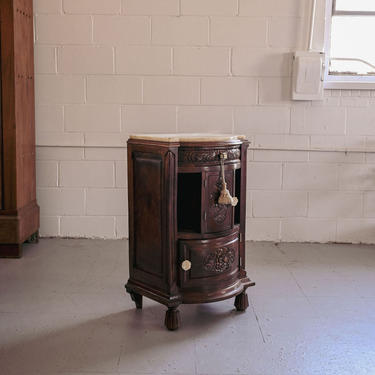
pixel 208 155
pixel 217 217
pixel 208 263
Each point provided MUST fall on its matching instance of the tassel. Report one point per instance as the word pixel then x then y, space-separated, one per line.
pixel 225 197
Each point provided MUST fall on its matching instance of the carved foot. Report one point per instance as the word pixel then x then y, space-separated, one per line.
pixel 242 302
pixel 137 298
pixel 34 238
pixel 172 318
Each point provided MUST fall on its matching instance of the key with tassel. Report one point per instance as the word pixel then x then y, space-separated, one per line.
pixel 225 197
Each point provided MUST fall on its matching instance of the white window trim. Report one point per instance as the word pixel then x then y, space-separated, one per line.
pixel 341 82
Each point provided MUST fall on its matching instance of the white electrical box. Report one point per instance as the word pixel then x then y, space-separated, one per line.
pixel 308 75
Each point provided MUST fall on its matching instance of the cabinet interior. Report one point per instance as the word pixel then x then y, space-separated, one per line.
pixel 189 200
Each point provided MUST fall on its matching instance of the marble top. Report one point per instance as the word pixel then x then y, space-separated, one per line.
pixel 189 137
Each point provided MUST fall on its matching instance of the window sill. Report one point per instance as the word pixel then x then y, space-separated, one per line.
pixel 349 85
pixel 367 83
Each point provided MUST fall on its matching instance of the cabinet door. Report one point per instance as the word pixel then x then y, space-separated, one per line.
pixel 217 217
pixel 213 263
pixel 152 185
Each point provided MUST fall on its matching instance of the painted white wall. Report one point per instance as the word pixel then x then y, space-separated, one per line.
pixel 107 68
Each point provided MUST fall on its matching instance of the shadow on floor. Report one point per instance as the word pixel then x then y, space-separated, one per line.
pixel 98 344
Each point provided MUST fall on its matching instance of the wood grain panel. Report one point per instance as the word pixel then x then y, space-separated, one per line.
pixel 147 213
pixel 24 104
pixel 18 208
pixel 8 105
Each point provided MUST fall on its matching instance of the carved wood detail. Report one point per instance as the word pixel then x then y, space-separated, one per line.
pixel 219 211
pixel 220 260
pixel 204 156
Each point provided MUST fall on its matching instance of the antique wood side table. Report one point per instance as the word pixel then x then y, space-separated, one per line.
pixel 185 245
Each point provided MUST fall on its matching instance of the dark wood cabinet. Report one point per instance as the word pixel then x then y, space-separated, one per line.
pixel 19 212
pixel 185 247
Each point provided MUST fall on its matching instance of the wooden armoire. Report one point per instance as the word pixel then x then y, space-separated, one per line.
pixel 19 212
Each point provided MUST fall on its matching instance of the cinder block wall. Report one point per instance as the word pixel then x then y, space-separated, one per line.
pixel 107 68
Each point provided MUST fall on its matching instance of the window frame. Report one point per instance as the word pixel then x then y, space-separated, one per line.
pixel 342 81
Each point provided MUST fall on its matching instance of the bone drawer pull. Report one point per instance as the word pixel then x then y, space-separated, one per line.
pixel 186 265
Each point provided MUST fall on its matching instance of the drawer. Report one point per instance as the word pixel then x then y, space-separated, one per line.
pixel 208 264
pixel 208 155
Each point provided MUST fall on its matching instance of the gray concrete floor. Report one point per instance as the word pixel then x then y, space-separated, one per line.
pixel 63 310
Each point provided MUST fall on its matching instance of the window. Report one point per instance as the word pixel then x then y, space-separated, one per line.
pixel 349 45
